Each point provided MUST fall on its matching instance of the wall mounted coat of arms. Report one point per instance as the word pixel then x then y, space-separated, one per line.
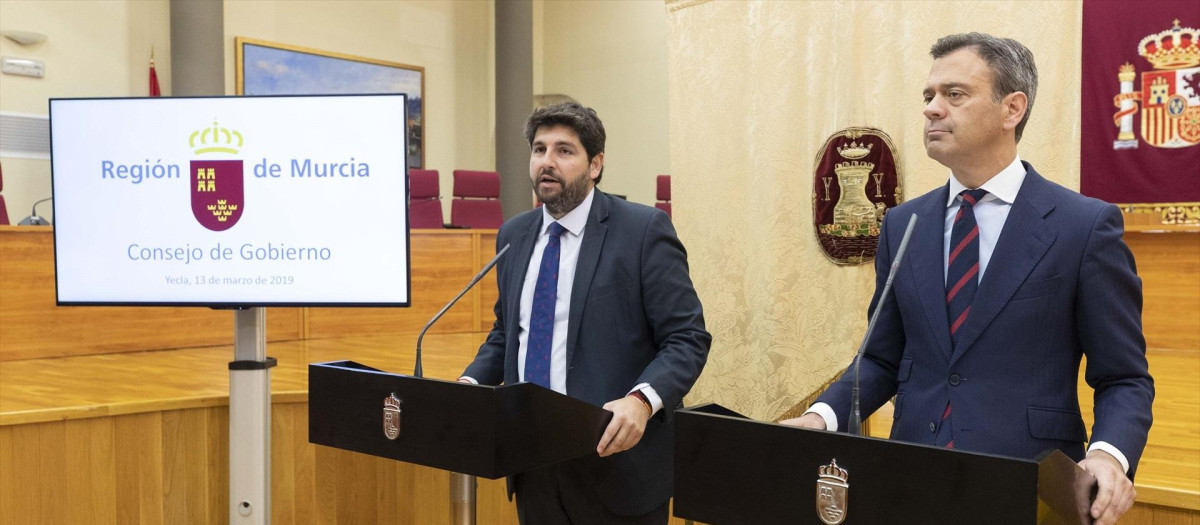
pixel 856 180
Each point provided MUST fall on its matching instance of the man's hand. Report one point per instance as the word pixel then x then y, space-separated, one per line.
pixel 626 428
pixel 809 420
pixel 1116 493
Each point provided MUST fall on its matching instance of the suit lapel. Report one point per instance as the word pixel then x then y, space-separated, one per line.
pixel 589 257
pixel 927 267
pixel 1022 244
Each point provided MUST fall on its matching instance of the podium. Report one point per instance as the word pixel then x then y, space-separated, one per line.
pixel 731 470
pixel 477 430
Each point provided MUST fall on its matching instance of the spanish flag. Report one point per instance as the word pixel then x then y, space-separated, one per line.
pixel 155 91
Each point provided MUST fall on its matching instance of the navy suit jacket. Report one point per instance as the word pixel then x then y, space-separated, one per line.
pixel 1061 284
pixel 634 318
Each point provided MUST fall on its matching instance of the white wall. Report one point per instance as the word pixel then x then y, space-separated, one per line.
pixel 453 41
pixel 93 49
pixel 611 55
pixel 101 48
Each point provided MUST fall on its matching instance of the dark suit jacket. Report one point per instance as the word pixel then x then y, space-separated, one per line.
pixel 634 318
pixel 1060 284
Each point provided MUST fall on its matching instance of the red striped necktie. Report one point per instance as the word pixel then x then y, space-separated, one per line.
pixel 962 266
pixel 962 279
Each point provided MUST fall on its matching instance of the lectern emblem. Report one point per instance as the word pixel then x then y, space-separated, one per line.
pixel 391 416
pixel 832 492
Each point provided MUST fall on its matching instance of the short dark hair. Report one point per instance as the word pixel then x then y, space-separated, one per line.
pixel 582 120
pixel 1012 65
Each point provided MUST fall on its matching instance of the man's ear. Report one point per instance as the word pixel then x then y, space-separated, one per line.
pixel 596 166
pixel 1015 105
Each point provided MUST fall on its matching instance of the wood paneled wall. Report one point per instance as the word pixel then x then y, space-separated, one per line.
pixel 1169 264
pixel 443 261
pixel 150 468
pixel 172 468
pixel 33 326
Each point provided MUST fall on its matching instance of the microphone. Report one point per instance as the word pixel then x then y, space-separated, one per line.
pixel 417 371
pixel 855 415
pixel 34 219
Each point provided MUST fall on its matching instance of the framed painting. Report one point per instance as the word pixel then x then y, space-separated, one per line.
pixel 268 68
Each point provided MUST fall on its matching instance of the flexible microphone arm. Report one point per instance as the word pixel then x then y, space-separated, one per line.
pixel 855 415
pixel 417 370
pixel 33 219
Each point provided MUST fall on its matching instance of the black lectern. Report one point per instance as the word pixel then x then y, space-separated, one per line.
pixel 472 429
pixel 731 470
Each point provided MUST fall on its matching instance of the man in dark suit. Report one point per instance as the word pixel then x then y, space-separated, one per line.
pixel 595 303
pixel 1009 279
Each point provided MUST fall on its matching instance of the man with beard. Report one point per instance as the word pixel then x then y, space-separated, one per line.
pixel 595 303
pixel 1009 280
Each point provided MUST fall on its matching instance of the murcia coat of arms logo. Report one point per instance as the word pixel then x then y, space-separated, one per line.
pixel 391 416
pixel 217 185
pixel 833 492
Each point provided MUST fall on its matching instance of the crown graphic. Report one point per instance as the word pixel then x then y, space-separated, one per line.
pixel 215 139
pixel 222 210
pixel 1175 48
pixel 391 402
pixel 832 472
pixel 1126 73
pixel 853 166
pixel 854 150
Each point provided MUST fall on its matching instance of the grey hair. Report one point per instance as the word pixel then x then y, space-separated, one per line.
pixel 1012 65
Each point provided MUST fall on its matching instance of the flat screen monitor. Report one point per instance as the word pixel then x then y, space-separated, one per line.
pixel 231 201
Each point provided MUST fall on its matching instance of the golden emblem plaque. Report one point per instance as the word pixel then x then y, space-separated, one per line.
pixel 391 416
pixel 856 180
pixel 833 489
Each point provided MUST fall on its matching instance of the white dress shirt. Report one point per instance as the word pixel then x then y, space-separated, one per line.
pixel 568 258
pixel 990 214
pixel 574 222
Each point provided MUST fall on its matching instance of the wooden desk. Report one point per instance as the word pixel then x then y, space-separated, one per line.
pixel 32 326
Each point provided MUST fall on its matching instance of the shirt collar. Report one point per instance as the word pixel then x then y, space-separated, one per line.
pixel 1003 186
pixel 574 220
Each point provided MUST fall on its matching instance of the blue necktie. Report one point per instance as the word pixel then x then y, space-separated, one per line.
pixel 962 279
pixel 541 316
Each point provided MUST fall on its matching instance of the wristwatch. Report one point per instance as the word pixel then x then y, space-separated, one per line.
pixel 642 397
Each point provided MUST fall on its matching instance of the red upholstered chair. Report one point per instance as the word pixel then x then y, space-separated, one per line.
pixel 476 201
pixel 3 207
pixel 424 204
pixel 664 194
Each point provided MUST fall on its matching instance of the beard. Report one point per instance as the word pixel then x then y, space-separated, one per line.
pixel 570 196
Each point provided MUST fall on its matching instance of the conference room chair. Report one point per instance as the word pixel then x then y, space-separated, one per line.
pixel 476 202
pixel 664 194
pixel 424 199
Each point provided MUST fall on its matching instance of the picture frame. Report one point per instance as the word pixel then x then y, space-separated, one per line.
pixel 271 68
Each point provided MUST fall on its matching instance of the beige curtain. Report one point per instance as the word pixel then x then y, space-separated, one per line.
pixel 755 90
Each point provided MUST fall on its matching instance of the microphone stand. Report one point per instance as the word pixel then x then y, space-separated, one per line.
pixel 33 219
pixel 855 426
pixel 417 370
pixel 462 486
